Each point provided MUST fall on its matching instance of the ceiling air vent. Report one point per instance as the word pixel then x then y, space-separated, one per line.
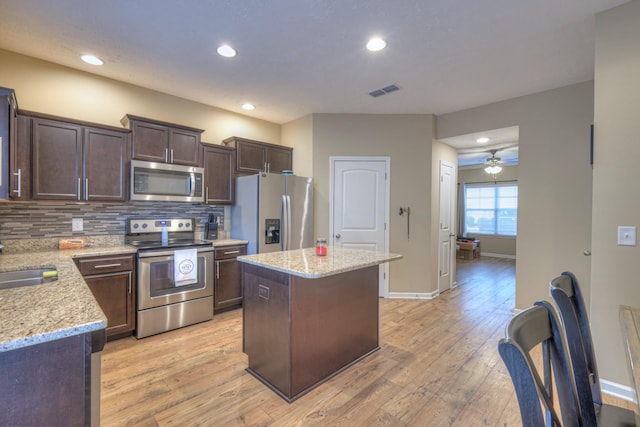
pixel 385 90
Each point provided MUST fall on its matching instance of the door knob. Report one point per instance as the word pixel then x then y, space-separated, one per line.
pixel 587 253
pixel 338 236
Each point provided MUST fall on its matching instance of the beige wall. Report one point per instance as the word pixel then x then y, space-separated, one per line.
pixel 615 270
pixel 490 244
pixel 407 140
pixel 554 181
pixel 299 135
pixel 53 89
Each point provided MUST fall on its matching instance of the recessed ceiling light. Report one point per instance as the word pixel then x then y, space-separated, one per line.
pixel 376 44
pixel 227 51
pixel 248 106
pixel 482 140
pixel 93 60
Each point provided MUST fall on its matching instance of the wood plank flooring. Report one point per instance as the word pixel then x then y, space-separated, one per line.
pixel 438 366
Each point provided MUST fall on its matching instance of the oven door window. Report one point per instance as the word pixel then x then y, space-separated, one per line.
pixel 161 278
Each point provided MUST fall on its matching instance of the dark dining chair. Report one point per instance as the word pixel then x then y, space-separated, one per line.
pixel 539 326
pixel 568 297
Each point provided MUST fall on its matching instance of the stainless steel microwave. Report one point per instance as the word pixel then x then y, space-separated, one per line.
pixel 166 182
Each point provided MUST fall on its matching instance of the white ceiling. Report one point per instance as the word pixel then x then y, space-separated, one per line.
pixel 297 57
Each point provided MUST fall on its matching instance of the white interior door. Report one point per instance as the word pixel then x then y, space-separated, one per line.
pixel 360 206
pixel 446 233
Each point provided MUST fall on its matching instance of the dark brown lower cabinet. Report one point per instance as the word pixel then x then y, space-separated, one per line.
pixel 228 274
pixel 47 383
pixel 112 282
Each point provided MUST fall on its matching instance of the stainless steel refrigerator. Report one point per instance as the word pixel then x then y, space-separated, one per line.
pixel 273 212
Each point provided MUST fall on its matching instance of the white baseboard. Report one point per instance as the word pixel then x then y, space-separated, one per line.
pixel 617 390
pixel 489 254
pixel 413 295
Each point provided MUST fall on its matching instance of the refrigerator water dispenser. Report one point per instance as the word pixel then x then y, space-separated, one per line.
pixel 272 230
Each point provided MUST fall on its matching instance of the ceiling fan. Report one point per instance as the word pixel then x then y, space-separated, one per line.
pixel 492 165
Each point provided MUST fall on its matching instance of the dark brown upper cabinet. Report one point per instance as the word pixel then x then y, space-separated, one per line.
pixel 74 160
pixel 219 163
pixel 8 125
pixel 156 141
pixel 256 156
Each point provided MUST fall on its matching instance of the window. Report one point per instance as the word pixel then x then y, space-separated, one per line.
pixel 491 209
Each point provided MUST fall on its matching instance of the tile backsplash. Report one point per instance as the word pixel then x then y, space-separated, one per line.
pixel 32 220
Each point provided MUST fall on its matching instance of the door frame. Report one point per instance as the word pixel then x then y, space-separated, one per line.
pixel 383 281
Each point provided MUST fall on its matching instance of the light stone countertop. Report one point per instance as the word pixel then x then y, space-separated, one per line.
pixel 305 262
pixel 34 314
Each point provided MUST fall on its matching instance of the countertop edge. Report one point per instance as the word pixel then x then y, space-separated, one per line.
pixel 308 275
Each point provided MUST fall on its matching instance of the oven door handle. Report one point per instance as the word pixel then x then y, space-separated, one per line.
pixel 153 254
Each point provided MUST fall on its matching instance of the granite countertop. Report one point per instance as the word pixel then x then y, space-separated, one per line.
pixel 34 314
pixel 305 262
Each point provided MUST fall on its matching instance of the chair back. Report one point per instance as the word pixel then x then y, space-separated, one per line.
pixel 539 325
pixel 566 293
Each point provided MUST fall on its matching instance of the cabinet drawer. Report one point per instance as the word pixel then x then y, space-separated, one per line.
pixel 105 264
pixel 227 252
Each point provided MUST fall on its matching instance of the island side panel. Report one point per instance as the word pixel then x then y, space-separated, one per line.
pixel 334 322
pixel 47 383
pixel 266 325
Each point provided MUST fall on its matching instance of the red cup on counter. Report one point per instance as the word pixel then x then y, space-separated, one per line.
pixel 321 247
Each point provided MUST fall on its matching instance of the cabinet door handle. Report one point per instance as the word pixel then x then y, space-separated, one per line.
pixel 231 252
pixel 78 190
pixel 171 155
pixel 86 188
pixel 268 167
pixel 217 269
pixel 166 155
pixel 206 197
pixel 107 265
pixel 19 175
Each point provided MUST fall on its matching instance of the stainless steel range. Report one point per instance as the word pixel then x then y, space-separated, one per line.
pixel 175 274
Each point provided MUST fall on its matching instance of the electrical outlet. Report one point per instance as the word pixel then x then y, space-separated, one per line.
pixel 77 224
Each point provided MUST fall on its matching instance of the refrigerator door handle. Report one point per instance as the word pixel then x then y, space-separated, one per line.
pixel 283 224
pixel 288 236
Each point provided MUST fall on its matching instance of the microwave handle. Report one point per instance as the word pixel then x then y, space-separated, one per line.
pixel 192 184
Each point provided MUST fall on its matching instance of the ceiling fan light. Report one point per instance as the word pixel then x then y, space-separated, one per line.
pixel 493 169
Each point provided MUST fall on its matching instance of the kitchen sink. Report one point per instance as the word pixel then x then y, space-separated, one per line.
pixel 36 276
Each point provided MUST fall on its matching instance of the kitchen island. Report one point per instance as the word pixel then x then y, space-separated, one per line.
pixel 307 317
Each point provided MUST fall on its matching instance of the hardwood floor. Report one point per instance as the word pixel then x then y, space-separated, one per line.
pixel 438 366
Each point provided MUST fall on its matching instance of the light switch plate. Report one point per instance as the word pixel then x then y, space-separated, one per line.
pixel 77 224
pixel 626 235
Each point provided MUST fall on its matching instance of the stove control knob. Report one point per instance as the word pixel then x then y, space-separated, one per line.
pixel 144 225
pixel 135 226
pixel 180 225
pixel 188 224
